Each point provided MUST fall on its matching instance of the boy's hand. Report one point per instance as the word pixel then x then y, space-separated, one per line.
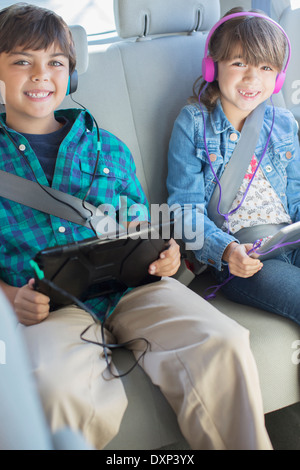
pixel 168 262
pixel 31 306
pixel 239 262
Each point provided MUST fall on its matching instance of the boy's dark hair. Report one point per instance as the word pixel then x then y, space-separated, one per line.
pixel 32 27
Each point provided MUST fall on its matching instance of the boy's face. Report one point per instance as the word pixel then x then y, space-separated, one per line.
pixel 35 85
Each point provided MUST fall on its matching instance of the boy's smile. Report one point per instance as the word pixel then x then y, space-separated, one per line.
pixel 38 95
pixel 35 85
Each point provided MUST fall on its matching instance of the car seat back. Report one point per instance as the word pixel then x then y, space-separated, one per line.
pixel 135 87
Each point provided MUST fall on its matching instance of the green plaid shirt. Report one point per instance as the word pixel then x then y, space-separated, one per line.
pixel 25 231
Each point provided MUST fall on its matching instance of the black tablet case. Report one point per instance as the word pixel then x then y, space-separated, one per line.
pixel 96 267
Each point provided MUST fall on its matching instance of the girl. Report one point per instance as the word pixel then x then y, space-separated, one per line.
pixel 250 52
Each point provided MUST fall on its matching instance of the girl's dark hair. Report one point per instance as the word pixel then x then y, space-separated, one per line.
pixel 31 27
pixel 260 41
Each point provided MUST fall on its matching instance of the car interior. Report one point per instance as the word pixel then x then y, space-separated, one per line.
pixel 135 86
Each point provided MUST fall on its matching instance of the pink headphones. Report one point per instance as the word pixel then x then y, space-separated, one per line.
pixel 209 67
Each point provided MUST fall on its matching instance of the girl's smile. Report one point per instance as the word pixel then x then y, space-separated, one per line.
pixel 249 94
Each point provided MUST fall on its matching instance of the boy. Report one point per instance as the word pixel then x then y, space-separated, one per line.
pixel 200 359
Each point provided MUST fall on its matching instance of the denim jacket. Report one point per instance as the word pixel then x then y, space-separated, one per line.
pixel 191 182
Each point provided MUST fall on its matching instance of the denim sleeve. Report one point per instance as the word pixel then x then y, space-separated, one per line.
pixel 186 187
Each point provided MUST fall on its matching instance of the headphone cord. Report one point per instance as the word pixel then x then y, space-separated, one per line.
pixel 257 244
pixel 88 219
pixel 29 165
pixel 99 146
pixel 106 346
pixel 226 216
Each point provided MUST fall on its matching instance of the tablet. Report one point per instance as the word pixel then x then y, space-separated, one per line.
pixel 286 239
pixel 95 267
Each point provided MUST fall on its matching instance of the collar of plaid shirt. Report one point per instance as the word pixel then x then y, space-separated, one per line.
pixel 25 231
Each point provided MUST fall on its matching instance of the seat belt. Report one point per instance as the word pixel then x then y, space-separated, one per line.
pixel 49 200
pixel 255 232
pixel 236 169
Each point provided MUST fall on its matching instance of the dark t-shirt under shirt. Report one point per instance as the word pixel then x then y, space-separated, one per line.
pixel 46 146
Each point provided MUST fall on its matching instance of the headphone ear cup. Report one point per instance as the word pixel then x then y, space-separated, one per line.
pixel 72 83
pixel 279 82
pixel 209 69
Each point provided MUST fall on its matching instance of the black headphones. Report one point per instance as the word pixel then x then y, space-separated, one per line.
pixel 72 83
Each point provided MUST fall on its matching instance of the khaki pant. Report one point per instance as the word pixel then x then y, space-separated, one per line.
pixel 199 358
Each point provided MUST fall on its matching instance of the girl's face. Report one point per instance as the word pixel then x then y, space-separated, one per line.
pixel 243 87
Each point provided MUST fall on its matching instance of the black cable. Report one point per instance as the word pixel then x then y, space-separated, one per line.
pixel 80 304
pixel 88 219
pixel 40 185
pixel 97 160
pixel 103 344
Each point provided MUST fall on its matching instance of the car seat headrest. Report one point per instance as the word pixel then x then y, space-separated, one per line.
pixel 81 47
pixel 139 18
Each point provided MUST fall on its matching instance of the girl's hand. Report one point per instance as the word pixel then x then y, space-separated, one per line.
pixel 168 262
pixel 239 262
pixel 31 307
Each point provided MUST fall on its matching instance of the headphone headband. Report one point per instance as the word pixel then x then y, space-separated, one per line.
pixel 208 66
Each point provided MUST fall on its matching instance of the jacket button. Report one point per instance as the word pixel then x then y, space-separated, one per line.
pixel 233 137
pixel 288 155
pixel 22 147
pixel 269 168
pixel 106 171
pixel 213 157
